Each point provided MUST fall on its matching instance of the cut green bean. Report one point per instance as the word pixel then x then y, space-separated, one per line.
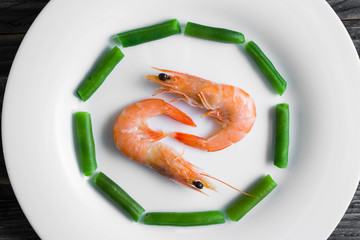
pixel 106 65
pixel 213 33
pixel 118 196
pixel 150 33
pixel 184 218
pixel 85 141
pixel 266 66
pixel 282 135
pixel 245 203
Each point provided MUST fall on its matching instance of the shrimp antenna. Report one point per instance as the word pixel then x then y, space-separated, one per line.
pixel 204 174
pixel 180 154
pixel 160 90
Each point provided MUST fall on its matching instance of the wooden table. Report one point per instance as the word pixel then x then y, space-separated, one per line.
pixel 16 16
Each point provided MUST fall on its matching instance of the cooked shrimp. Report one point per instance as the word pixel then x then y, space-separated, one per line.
pixel 232 108
pixel 137 141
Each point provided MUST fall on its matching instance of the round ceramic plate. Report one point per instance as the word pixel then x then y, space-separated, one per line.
pixel 304 39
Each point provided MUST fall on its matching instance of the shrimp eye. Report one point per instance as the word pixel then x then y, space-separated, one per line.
pixel 198 184
pixel 163 77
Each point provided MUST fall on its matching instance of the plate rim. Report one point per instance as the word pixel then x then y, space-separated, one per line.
pixel 13 68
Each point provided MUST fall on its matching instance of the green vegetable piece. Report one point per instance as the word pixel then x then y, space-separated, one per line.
pixel 282 135
pixel 150 33
pixel 118 196
pixel 265 65
pixel 85 143
pixel 245 203
pixel 184 218
pixel 107 64
pixel 213 33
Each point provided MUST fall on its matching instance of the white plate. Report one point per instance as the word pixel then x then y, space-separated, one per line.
pixel 304 39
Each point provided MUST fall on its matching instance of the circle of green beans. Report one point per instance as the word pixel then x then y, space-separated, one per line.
pixel 104 184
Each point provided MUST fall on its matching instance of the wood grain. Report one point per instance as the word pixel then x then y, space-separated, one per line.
pixel 349 12
pixel 16 16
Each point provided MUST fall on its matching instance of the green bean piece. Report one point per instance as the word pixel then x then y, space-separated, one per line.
pixel 118 196
pixel 106 65
pixel 282 135
pixel 245 203
pixel 184 218
pixel 149 33
pixel 266 66
pixel 85 143
pixel 213 33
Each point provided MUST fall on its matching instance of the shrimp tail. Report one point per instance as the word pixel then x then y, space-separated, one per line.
pixel 215 143
pixel 190 140
pixel 152 135
pixel 178 115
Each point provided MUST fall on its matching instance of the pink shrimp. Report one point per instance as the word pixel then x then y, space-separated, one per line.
pixel 134 138
pixel 232 108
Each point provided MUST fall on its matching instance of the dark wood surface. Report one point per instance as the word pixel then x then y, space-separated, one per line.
pixel 16 16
